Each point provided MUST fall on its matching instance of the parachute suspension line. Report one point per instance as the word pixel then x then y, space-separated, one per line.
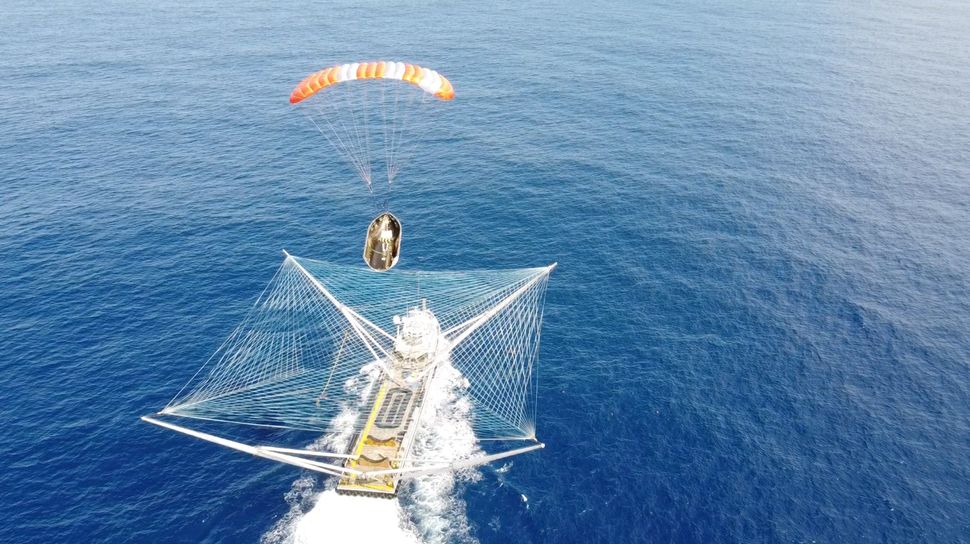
pixel 389 144
pixel 341 148
pixel 385 142
pixel 395 127
pixel 414 105
pixel 351 139
pixel 366 129
pixel 399 137
pixel 346 96
pixel 338 124
pixel 404 151
pixel 391 127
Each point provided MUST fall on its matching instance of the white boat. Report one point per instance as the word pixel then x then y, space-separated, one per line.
pixel 344 351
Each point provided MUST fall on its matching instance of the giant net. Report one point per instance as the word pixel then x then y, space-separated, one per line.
pixel 309 352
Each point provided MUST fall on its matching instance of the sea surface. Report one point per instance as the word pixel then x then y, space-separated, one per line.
pixel 759 329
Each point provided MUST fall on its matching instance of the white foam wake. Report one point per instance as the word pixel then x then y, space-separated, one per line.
pixel 342 518
pixel 429 508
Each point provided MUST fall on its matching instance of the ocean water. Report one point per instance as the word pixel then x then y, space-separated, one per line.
pixel 758 330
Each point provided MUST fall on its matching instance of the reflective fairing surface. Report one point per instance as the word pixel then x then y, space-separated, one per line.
pixel 382 247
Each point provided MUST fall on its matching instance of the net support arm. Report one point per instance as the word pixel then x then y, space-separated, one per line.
pixel 308 453
pixel 410 472
pixel 272 454
pixel 463 330
pixel 349 314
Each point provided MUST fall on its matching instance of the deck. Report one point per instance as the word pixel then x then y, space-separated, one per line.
pixel 385 441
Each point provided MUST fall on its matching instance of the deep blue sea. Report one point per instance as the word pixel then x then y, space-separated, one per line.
pixel 759 330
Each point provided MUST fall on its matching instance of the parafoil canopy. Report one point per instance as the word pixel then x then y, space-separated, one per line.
pixel 427 79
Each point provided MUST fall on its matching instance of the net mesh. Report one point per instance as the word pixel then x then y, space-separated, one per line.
pixel 308 354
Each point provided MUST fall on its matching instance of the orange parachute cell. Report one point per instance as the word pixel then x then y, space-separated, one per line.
pixel 408 72
pixel 447 92
pixel 428 80
pixel 416 75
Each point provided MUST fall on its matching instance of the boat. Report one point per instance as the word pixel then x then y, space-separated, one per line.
pixel 389 432
pixel 353 355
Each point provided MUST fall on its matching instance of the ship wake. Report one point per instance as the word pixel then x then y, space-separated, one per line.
pixel 429 508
